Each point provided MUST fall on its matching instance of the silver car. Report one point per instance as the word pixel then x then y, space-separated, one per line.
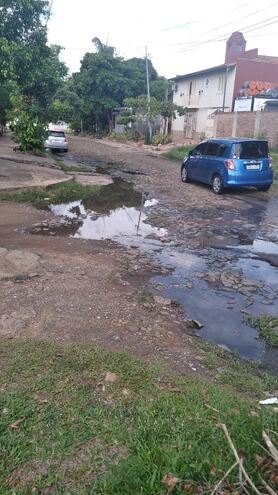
pixel 56 140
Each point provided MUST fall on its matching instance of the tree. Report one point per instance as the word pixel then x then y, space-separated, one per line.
pixel 101 48
pixel 104 81
pixel 19 19
pixel 166 109
pixel 27 63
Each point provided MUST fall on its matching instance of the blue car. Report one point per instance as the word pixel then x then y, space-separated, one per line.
pixel 229 162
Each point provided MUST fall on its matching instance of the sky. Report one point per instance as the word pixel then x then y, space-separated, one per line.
pixel 181 37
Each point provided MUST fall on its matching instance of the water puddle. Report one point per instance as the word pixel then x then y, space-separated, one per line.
pixel 196 284
pixel 118 213
pixel 217 285
pixel 259 249
pixel 259 246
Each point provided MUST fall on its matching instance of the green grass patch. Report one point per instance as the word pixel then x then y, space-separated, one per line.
pixel 58 193
pixel 248 378
pixel 178 153
pixel 267 326
pixel 275 167
pixel 79 434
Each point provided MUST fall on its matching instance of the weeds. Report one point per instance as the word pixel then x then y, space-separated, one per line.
pixel 267 326
pixel 178 153
pixel 65 428
pixel 58 193
pixel 248 377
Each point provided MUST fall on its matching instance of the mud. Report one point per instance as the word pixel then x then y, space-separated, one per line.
pixel 214 255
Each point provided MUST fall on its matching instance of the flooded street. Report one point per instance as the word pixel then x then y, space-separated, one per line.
pixel 222 261
pixel 134 262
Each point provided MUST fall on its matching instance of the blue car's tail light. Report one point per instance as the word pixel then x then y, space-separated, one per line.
pixel 229 164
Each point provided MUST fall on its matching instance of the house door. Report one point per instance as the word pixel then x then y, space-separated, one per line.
pixel 190 124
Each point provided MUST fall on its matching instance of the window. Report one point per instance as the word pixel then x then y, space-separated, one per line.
pixel 239 47
pixel 200 149
pixel 250 149
pixel 221 150
pixel 212 149
pixel 221 83
pixel 56 133
pixel 207 82
pixel 190 88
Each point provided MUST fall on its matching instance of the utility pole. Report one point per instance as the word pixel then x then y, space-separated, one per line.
pixel 149 96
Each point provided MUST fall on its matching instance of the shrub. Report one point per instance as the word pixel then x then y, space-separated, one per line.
pixel 129 135
pixel 161 139
pixel 29 132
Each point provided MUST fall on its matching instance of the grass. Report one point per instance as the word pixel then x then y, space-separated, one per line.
pixel 81 435
pixel 266 325
pixel 178 153
pixel 227 369
pixel 58 193
pixel 275 166
pixel 63 166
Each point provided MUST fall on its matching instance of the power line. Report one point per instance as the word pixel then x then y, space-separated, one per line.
pixel 224 36
pixel 242 17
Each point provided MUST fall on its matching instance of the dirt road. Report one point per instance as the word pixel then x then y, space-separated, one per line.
pixel 216 256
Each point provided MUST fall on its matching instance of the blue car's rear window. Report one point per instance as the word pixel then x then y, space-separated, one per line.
pixel 250 149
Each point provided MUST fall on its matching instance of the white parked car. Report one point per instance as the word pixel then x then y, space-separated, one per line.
pixel 56 140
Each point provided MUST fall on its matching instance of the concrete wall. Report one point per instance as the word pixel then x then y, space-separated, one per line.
pixel 248 124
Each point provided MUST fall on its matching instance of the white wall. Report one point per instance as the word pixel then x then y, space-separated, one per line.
pixel 207 92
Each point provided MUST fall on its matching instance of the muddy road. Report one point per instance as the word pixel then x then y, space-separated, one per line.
pixel 216 257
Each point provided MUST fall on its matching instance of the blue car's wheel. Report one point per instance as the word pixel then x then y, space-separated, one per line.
pixel 217 184
pixel 184 174
pixel 264 188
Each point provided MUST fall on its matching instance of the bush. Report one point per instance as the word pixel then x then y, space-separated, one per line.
pixel 161 139
pixel 129 135
pixel 29 132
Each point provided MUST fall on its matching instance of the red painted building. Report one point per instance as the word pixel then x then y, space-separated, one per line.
pixel 250 66
pixel 205 93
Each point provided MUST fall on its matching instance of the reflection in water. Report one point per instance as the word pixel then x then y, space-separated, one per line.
pixel 121 224
pixel 116 195
pixel 259 246
pixel 220 309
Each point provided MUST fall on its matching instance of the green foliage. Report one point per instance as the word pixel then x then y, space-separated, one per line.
pixel 128 135
pixel 161 139
pixel 275 167
pixel 177 153
pixel 166 109
pixel 267 326
pixel 125 117
pixel 5 102
pixel 58 193
pixel 102 84
pixel 28 66
pixel 28 132
pixel 78 434
pixel 20 18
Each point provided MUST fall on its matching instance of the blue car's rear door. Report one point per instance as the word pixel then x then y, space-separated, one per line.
pixel 212 161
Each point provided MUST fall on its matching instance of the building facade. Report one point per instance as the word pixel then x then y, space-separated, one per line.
pixel 205 93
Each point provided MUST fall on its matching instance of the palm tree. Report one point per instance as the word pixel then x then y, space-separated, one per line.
pixel 101 48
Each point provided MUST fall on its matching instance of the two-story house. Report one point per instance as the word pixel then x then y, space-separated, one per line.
pixel 206 92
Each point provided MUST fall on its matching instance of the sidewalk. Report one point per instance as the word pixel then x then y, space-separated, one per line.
pixel 22 171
